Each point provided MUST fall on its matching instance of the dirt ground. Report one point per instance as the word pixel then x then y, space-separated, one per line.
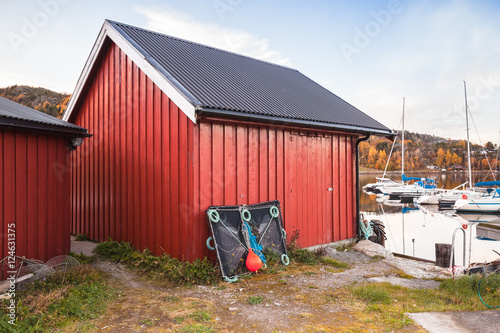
pixel 301 299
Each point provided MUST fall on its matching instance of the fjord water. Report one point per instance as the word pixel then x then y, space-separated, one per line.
pixel 413 231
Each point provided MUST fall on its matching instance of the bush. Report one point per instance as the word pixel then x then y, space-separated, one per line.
pixel 174 270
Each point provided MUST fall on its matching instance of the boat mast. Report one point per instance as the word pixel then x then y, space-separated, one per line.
pixel 403 144
pixel 467 125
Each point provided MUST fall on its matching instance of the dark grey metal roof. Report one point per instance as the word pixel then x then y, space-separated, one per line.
pixel 16 115
pixel 219 80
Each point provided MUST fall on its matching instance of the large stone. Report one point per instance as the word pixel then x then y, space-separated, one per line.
pixel 373 249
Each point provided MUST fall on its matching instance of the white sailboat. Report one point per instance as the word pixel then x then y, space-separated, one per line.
pixel 488 202
pixel 447 198
pixel 419 187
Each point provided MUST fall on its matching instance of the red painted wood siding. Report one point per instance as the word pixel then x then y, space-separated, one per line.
pixel 130 180
pixel 148 174
pixel 240 163
pixel 34 193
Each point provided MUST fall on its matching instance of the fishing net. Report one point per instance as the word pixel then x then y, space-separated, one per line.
pixel 30 270
pixel 235 229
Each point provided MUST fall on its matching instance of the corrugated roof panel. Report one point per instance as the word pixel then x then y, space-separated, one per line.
pixel 223 80
pixel 16 111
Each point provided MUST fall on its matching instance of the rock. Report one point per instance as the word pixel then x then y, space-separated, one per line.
pixel 373 249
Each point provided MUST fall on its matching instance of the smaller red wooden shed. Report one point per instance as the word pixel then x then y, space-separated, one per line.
pixel 35 167
pixel 179 126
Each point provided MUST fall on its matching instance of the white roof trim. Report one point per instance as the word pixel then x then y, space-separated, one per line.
pixel 178 94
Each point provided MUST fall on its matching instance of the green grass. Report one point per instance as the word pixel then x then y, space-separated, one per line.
pixel 83 259
pixel 200 316
pixel 388 303
pixel 80 294
pixel 372 294
pixel 254 300
pixel 196 328
pixel 80 237
pixel 201 272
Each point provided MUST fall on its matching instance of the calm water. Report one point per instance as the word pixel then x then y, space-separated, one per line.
pixel 413 230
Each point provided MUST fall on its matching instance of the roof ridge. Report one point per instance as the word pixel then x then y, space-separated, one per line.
pixel 202 45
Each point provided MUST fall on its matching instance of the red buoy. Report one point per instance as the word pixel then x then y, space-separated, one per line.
pixel 253 262
pixel 464 196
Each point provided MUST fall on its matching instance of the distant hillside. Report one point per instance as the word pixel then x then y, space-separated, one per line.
pixel 423 151
pixel 40 99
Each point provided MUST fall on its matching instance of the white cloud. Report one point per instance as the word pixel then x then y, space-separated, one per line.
pixel 183 26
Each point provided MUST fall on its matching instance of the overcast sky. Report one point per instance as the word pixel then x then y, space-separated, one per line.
pixel 370 53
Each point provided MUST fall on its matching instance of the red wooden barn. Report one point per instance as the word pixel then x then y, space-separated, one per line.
pixel 178 126
pixel 35 181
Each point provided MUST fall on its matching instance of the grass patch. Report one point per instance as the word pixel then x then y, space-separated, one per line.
pixel 371 294
pixel 196 328
pixel 201 316
pixel 388 303
pixel 254 300
pixel 80 237
pixel 172 299
pixel 304 256
pixel 82 258
pixel 79 294
pixel 201 272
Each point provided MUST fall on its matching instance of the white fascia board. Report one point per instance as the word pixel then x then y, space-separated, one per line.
pixel 160 77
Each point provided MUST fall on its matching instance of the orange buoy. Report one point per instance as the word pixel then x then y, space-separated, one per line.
pixel 253 262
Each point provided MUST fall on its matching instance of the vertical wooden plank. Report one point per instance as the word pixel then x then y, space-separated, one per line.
pixel 198 214
pixel 174 181
pixel 118 143
pixel 166 218
pixel 157 183
pixel 64 197
pixel 253 165
pixel 289 160
pixel 316 192
pixel 111 144
pixel 149 151
pixel 343 187
pixel 217 164
pixel 329 197
pixel 350 222
pixel 91 180
pixel 104 150
pixel 263 164
pixel 230 177
pixel 125 146
pixel 192 229
pixel 31 196
pixel 182 187
pixel 280 176
pixel 43 195
pixel 205 165
pixel 323 179
pixel 86 171
pixel 100 158
pixel 144 223
pixel 301 174
pixel 135 221
pixel 242 164
pixel 21 192
pixel 272 164
pixel 52 189
pixel 9 179
pixel 336 187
